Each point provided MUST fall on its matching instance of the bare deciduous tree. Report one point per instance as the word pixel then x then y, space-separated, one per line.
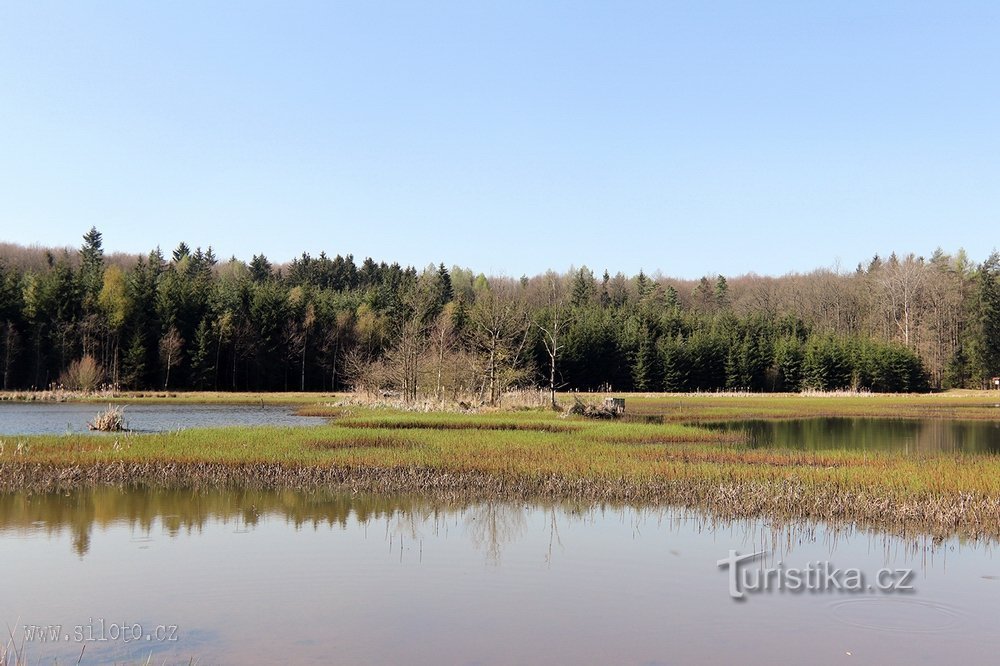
pixel 553 318
pixel 901 283
pixel 171 347
pixel 500 331
pixel 443 340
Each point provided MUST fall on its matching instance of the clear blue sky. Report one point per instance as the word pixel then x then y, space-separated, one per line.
pixel 687 137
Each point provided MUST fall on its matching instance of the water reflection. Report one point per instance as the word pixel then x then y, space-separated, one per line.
pixel 18 418
pixel 184 511
pixel 286 576
pixel 489 526
pixel 872 434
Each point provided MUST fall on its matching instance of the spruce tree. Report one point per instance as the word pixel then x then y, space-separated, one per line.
pixel 134 363
pixel 984 330
pixel 91 265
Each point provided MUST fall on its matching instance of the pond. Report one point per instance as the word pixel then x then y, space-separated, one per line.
pixel 871 434
pixel 18 418
pixel 293 577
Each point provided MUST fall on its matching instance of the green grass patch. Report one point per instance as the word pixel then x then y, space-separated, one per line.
pixel 539 454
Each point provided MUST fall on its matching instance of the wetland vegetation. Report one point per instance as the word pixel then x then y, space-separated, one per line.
pixel 433 357
pixel 499 454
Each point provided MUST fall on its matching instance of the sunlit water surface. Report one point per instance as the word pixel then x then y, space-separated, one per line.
pixel 48 418
pixel 289 577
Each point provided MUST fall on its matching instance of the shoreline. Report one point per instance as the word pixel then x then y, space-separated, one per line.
pixel 537 454
pixel 939 516
pixel 964 404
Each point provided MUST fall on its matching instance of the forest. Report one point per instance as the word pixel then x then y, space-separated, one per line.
pixel 83 319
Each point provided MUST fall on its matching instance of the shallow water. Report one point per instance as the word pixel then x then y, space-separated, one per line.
pixel 288 577
pixel 874 434
pixel 18 418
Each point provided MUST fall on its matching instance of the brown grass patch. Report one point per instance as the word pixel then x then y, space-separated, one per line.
pixel 741 457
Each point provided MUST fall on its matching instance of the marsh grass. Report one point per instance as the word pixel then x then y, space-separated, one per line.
pixel 379 441
pixel 533 455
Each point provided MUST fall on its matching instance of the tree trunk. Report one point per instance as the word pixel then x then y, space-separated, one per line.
pixel 303 382
pixel 218 355
pixel 437 388
pixel 493 371
pixel 333 373
pixel 552 379
pixel 166 380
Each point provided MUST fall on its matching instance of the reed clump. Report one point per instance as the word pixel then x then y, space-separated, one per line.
pixel 111 419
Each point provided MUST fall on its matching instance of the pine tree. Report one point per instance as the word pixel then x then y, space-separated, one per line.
pixel 202 363
pixel 642 284
pixel 584 288
pixel 646 370
pixel 984 329
pixel 721 293
pixel 260 268
pixel 788 363
pixel 672 361
pixel 605 293
pixel 181 251
pixel 444 289
pixel 91 265
pixel 670 297
pixel 134 364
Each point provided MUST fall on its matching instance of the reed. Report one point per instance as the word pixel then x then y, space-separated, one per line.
pixel 533 455
pixel 111 419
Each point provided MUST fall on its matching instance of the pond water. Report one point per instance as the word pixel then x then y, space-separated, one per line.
pixel 291 577
pixel 874 434
pixel 18 418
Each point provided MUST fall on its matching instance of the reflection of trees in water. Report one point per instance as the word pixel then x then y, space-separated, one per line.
pixel 952 436
pixel 554 538
pixel 492 525
pixel 189 511
pixel 489 525
pixel 875 434
pixel 412 521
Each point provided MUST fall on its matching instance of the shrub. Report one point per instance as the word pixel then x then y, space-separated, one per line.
pixel 84 374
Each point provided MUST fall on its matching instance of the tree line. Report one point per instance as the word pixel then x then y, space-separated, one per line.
pixel 79 318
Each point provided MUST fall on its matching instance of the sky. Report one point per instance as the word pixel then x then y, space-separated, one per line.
pixel 690 138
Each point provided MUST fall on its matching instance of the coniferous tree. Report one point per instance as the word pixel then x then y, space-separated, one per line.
pixel 92 263
pixel 318 323
pixel 133 374
pixel 984 329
